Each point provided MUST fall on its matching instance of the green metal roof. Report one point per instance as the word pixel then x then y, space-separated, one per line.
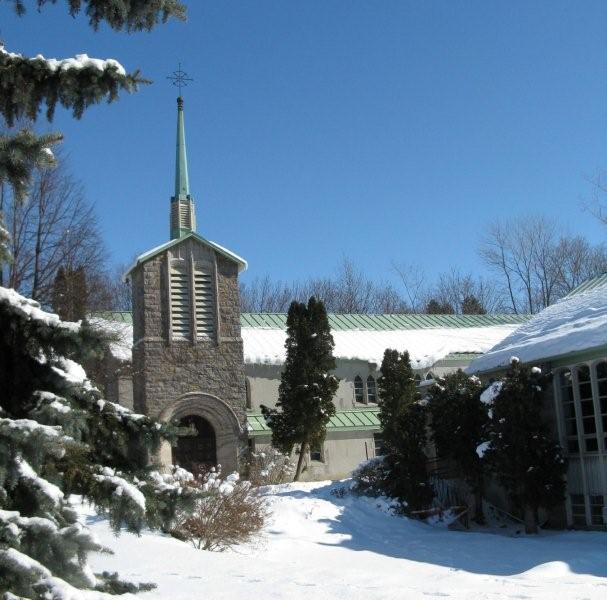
pixel 590 284
pixel 349 322
pixel 363 419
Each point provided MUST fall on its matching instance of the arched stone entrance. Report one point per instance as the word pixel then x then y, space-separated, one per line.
pixel 212 415
pixel 199 450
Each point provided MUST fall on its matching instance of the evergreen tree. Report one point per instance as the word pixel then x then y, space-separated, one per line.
pixel 70 294
pixel 522 452
pixel 471 305
pixel 403 421
pixel 59 437
pixel 434 307
pixel 459 425
pixel 305 396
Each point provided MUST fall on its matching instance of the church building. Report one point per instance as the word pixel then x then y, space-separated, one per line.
pixel 187 354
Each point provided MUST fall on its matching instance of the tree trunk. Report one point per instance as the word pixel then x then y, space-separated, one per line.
pixel 479 516
pixel 530 520
pixel 302 452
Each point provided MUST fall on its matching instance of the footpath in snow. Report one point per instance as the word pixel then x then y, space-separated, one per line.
pixel 323 547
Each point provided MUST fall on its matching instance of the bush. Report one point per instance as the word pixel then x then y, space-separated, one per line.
pixel 370 479
pixel 269 467
pixel 230 512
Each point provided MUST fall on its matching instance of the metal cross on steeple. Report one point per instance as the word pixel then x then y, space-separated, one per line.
pixel 179 78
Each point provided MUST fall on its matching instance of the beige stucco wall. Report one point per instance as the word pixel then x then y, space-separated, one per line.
pixel 342 452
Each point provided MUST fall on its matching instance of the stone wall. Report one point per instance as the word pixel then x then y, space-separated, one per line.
pixel 164 371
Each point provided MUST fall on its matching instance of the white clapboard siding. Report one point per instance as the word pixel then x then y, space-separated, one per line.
pixel 180 301
pixel 204 301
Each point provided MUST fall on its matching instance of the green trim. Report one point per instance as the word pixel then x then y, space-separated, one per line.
pixel 241 262
pixel 362 419
pixel 392 322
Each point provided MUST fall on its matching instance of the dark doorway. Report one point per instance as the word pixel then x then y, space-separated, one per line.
pixel 198 451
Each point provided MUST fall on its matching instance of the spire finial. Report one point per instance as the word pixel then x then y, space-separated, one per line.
pixel 180 79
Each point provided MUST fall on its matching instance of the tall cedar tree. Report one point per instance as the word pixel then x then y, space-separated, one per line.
pixel 29 84
pixel 70 294
pixel 59 437
pixel 522 452
pixel 459 424
pixel 403 421
pixel 305 396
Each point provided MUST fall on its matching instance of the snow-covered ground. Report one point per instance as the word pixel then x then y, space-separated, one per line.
pixel 319 546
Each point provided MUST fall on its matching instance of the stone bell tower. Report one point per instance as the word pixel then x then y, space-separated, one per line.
pixel 188 361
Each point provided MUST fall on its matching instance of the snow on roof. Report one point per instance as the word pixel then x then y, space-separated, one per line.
pixel 122 334
pixel 573 324
pixel 425 346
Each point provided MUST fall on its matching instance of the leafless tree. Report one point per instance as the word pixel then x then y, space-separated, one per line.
pixel 56 226
pixel 413 280
pixel 537 262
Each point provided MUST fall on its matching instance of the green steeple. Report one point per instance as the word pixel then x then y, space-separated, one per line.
pixel 182 184
pixel 183 218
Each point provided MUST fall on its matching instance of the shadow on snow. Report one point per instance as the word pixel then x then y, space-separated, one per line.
pixel 361 526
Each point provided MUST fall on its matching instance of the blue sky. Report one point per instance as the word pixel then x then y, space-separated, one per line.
pixel 378 130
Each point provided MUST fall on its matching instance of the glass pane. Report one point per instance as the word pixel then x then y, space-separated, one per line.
pixel 589 425
pixel 603 387
pixel 577 499
pixel 565 378
pixel 592 445
pixel 601 370
pixel 604 405
pixel 571 428
pixel 596 500
pixel 585 390
pixel 359 395
pixel 583 374
pixel 587 408
pixel 573 446
pixel 569 410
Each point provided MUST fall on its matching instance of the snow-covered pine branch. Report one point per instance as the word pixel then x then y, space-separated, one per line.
pixel 120 14
pixel 76 83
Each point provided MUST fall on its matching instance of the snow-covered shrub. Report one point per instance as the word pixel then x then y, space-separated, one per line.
pixel 230 512
pixel 369 478
pixel 59 437
pixel 269 467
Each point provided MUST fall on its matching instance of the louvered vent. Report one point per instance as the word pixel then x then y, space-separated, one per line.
pixel 184 211
pixel 204 297
pixel 180 301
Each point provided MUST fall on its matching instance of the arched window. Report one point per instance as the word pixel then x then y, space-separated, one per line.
pixel 371 391
pixel 417 378
pixel 359 391
pixel 429 376
pixel 247 385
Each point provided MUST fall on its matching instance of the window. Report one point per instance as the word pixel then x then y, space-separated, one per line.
pixel 359 391
pixel 378 442
pixel 316 453
pixel 371 390
pixel 578 509
pixel 247 386
pixel 587 409
pixel 418 378
pixel 596 510
pixel 429 376
pixel 204 301
pixel 601 380
pixel 566 386
pixel 180 300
